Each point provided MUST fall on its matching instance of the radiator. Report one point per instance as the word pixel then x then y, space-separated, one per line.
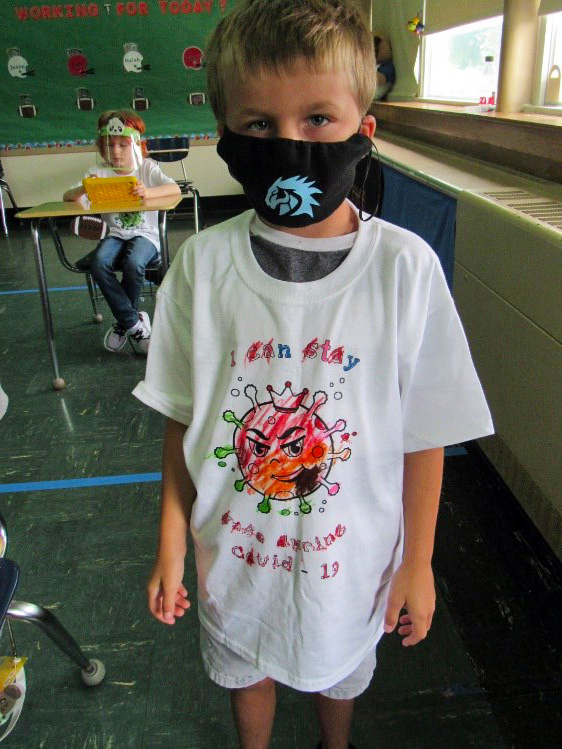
pixel 508 290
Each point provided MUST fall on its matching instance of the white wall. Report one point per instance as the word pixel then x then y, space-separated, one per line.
pixel 43 178
pixel 390 18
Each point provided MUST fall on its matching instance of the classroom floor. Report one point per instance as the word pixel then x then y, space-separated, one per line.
pixel 489 674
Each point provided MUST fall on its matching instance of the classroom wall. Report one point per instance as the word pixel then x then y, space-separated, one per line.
pixel 389 18
pixel 42 178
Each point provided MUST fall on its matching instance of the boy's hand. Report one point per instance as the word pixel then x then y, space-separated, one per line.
pixel 412 588
pixel 167 596
pixel 140 190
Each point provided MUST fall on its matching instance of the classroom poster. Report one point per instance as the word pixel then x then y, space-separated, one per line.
pixel 65 63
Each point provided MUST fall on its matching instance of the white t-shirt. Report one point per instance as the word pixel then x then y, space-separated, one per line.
pixel 133 224
pixel 297 524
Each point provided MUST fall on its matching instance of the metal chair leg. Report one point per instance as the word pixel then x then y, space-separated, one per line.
pixel 51 626
pixel 6 187
pixel 3 212
pixel 98 317
pixel 3 537
pixel 185 180
pixel 164 248
pixel 92 671
pixel 196 204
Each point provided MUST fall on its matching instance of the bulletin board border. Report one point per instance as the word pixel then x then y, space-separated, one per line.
pixel 207 140
pixel 75 146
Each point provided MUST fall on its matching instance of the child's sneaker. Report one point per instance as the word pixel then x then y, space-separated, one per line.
pixel 115 338
pixel 139 334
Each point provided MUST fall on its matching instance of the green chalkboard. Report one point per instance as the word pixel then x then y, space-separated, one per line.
pixel 66 63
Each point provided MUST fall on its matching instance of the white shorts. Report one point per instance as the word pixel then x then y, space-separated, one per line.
pixel 228 669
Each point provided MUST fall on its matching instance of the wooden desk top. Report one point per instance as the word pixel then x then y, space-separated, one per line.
pixel 74 208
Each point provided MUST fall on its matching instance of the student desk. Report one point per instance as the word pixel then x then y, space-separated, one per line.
pixel 52 211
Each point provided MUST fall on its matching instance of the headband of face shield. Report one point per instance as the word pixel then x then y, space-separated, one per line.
pixel 119 147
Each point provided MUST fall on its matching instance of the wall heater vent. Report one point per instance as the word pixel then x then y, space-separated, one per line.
pixel 541 209
pixel 508 276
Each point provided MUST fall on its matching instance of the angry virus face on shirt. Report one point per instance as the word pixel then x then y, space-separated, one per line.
pixel 285 450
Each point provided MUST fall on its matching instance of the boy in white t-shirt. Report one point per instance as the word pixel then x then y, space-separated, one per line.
pixel 133 241
pixel 312 367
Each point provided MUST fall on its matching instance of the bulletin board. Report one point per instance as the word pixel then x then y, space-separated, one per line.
pixel 66 63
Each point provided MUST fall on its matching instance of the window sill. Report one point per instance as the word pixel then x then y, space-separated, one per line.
pixel 526 142
pixel 552 111
pixel 440 103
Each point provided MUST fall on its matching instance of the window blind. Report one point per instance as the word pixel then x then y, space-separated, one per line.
pixel 444 14
pixel 550 6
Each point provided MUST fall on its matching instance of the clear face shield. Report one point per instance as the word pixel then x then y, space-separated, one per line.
pixel 119 147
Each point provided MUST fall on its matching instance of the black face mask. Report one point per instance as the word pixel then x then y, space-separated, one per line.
pixel 293 183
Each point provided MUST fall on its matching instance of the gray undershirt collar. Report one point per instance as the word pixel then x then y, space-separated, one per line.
pixel 287 257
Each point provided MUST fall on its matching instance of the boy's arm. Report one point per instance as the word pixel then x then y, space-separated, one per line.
pixel 75 193
pixel 167 190
pixel 167 596
pixel 412 586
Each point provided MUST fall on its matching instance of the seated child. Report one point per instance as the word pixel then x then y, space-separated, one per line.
pixel 133 241
pixel 311 366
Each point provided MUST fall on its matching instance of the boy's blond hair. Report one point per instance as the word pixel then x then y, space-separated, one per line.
pixel 271 34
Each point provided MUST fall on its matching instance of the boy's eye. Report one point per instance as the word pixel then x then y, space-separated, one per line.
pixel 258 126
pixel 318 120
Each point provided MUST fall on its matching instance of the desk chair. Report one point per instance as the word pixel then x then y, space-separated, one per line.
pixel 92 671
pixel 176 149
pixel 94 228
pixel 4 186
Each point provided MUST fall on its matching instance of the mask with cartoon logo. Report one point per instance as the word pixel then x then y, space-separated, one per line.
pixel 293 183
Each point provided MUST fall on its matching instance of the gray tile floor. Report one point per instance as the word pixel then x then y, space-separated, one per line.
pixel 85 553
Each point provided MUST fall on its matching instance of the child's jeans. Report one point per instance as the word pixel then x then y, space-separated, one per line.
pixel 131 256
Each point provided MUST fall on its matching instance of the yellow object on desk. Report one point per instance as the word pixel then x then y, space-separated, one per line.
pixel 111 190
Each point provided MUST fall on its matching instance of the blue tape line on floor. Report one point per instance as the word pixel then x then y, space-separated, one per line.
pixel 36 291
pixel 55 288
pixel 37 486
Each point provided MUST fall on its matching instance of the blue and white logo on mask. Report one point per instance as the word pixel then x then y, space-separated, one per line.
pixel 292 196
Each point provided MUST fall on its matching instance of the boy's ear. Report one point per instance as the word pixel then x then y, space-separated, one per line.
pixel 220 129
pixel 368 126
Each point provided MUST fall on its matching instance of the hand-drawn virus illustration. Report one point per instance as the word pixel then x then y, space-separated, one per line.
pixel 285 451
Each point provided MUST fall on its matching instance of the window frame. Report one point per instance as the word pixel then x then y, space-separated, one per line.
pixel 542 66
pixel 421 74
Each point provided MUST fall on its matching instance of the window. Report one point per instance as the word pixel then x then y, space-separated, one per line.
pixel 454 64
pixel 552 55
